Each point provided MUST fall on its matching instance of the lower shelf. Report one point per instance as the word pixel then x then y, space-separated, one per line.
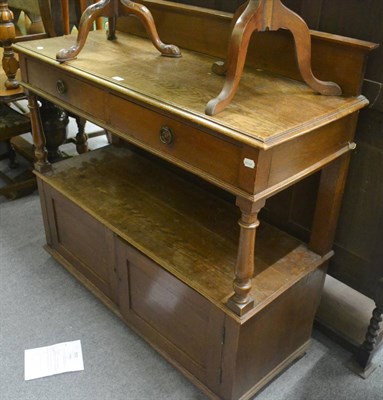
pixel 160 252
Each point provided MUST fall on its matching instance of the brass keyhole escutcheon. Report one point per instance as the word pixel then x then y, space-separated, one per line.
pixel 166 135
pixel 61 87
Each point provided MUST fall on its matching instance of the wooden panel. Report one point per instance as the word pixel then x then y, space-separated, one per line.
pixel 44 197
pixel 335 66
pixel 311 148
pixel 222 5
pixel 170 314
pixel 359 19
pixel 268 339
pixel 355 19
pixel 89 247
pixel 266 49
pixel 293 209
pixel 169 306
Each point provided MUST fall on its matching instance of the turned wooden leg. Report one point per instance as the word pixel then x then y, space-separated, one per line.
pixel 128 7
pixel 239 42
pixel 111 34
pixel 7 37
pixel 293 22
pixel 10 67
pixel 241 302
pixel 102 8
pixel 41 154
pixel 65 16
pixel 365 353
pixel 11 155
pixel 54 121
pixel 81 137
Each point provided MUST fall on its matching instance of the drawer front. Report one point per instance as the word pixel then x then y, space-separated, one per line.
pixel 72 91
pixel 171 138
pixel 179 143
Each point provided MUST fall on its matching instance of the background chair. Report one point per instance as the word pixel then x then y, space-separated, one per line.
pixel 58 18
pixel 34 19
pixel 13 121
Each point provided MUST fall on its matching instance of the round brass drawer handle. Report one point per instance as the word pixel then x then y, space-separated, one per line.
pixel 166 135
pixel 61 87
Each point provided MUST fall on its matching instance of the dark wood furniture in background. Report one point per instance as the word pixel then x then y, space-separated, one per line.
pixel 56 20
pixel 55 119
pixel 158 245
pixel 12 122
pixel 364 354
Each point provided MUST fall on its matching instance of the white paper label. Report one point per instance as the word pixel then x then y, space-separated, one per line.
pixel 52 360
pixel 249 163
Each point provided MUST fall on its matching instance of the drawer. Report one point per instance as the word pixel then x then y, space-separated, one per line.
pixel 211 154
pixel 72 91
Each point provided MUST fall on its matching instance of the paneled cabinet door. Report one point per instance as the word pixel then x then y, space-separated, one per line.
pixel 175 319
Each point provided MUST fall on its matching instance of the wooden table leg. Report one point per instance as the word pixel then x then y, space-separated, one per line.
pixel 11 155
pixel 81 137
pixel 102 8
pixel 112 9
pixel 41 154
pixel 329 199
pixel 54 122
pixel 297 26
pixel 364 354
pixel 7 37
pixel 65 14
pixel 111 34
pixel 241 302
pixel 220 67
pixel 128 7
pixel 244 26
pixel 262 15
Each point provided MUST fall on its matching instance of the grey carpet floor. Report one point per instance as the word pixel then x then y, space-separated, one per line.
pixel 41 304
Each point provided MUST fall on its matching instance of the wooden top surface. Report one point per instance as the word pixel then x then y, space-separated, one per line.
pixel 189 232
pixel 267 109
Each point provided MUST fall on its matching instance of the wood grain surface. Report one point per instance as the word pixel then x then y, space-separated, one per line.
pixel 184 85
